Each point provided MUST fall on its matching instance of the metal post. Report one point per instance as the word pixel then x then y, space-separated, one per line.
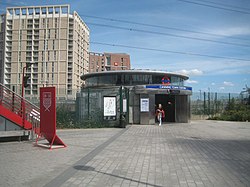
pixel 208 97
pixel 121 109
pixel 22 99
pixel 204 105
pixel 13 98
pixel 88 104
pixel 216 103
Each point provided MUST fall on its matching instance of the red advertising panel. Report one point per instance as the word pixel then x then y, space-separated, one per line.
pixel 48 116
pixel 48 111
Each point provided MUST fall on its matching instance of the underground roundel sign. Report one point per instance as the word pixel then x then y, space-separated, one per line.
pixel 165 80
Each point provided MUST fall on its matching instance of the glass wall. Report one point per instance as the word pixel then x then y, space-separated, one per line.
pixel 131 79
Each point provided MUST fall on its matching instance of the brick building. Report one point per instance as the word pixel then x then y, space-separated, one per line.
pixel 108 62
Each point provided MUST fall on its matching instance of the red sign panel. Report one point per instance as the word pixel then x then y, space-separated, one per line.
pixel 48 115
pixel 48 111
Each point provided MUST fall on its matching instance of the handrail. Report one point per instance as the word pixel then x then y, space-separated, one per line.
pixel 20 106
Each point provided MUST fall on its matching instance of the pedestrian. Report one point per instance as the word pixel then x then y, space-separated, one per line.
pixel 160 114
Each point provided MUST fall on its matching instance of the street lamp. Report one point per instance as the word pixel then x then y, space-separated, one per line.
pixel 25 78
pixel 24 85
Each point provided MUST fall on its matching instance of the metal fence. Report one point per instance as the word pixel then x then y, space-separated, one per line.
pixel 209 104
pixel 90 106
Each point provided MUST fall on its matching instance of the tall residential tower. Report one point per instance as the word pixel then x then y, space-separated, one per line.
pixel 55 41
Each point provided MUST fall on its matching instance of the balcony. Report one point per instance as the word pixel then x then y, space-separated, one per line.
pixel 29 37
pixel 36 44
pixel 69 70
pixel 8 54
pixel 28 48
pixel 29 26
pixel 71 42
pixel 8 48
pixel 8 59
pixel 9 43
pixel 8 38
pixel 35 48
pixel 70 59
pixel 35 59
pixel 9 27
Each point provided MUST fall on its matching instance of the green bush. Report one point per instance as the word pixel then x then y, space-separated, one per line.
pixel 235 112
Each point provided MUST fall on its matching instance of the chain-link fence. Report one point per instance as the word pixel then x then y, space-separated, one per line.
pixel 205 105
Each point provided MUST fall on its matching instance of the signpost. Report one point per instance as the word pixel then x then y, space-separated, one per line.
pixel 48 118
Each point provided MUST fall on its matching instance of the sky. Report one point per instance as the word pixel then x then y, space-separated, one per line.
pixel 207 40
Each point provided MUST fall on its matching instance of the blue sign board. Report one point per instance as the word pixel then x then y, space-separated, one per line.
pixel 171 87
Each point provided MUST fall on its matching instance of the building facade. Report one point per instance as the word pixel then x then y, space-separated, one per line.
pixel 99 62
pixel 53 40
pixel 2 41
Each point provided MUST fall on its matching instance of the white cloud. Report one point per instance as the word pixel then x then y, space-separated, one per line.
pixel 191 72
pixel 191 82
pixel 225 83
pixel 222 88
pixel 213 84
pixel 232 31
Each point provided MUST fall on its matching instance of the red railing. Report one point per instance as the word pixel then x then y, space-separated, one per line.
pixel 14 105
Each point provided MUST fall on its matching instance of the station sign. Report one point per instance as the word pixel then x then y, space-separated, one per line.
pixel 170 87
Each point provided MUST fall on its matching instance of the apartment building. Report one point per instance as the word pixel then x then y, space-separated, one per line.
pixel 2 39
pixel 53 40
pixel 108 62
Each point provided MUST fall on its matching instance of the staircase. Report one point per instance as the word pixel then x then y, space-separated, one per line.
pixel 17 113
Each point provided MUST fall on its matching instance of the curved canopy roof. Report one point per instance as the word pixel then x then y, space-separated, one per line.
pixel 135 72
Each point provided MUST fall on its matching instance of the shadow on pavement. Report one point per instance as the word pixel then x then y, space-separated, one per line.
pixel 89 168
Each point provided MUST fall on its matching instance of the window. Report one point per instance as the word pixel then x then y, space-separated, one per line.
pixel 44 10
pixel 64 10
pixel 44 21
pixel 56 22
pixel 37 10
pixel 53 44
pixel 24 11
pixel 19 56
pixel 30 10
pixel 10 11
pixel 57 10
pixel 50 10
pixel 22 23
pixel 49 33
pixel 42 56
pixel 17 12
pixel 52 67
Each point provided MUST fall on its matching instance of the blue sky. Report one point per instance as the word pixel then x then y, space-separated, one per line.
pixel 215 32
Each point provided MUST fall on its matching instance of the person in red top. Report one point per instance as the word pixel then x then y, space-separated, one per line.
pixel 160 114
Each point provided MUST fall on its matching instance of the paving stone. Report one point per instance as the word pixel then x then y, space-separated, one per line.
pixel 201 153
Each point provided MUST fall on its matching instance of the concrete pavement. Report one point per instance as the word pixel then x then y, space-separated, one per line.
pixel 201 153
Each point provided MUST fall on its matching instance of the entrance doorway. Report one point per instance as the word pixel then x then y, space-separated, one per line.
pixel 168 105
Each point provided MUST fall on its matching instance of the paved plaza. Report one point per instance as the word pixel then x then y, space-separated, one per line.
pixel 200 153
